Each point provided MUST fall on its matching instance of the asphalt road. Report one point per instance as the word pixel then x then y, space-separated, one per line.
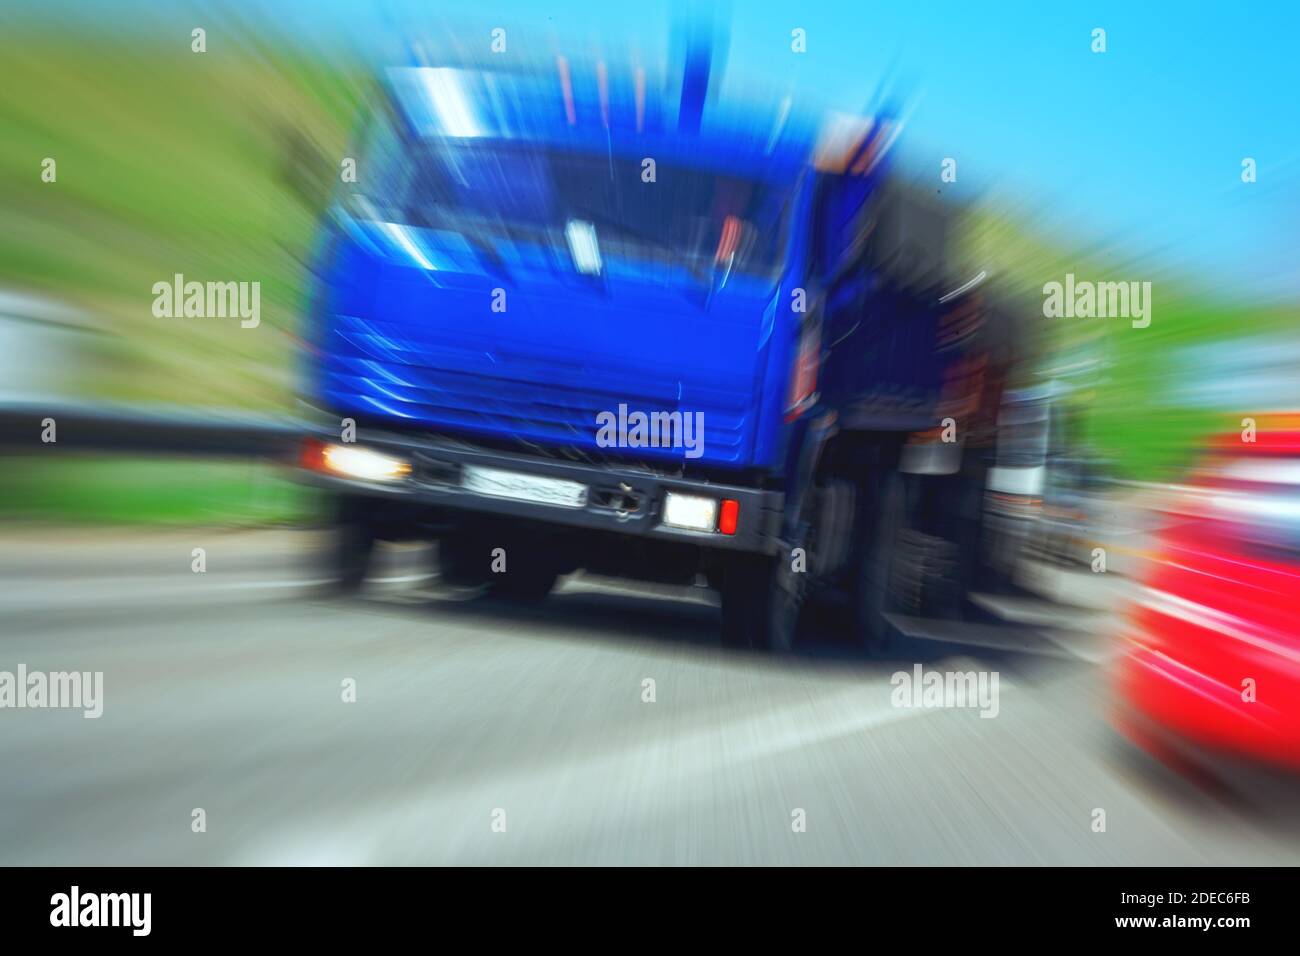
pixel 224 691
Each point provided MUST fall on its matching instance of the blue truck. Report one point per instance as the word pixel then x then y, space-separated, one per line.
pixel 576 318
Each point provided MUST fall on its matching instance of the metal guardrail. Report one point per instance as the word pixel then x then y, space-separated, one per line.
pixel 24 428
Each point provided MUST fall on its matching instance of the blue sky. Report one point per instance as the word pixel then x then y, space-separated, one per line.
pixel 1138 148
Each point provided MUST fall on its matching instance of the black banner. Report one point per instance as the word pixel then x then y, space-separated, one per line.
pixel 922 905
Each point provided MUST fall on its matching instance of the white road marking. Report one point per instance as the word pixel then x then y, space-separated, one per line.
pixel 360 839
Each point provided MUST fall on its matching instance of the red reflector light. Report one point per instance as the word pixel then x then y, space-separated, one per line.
pixel 728 515
pixel 312 456
pixel 803 377
pixel 727 242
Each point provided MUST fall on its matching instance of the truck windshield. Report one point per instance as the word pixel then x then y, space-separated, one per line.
pixel 494 191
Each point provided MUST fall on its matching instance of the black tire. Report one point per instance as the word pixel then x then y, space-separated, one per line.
pixel 763 598
pixel 761 605
pixel 873 599
pixel 351 546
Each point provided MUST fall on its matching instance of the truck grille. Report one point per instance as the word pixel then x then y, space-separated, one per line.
pixel 553 414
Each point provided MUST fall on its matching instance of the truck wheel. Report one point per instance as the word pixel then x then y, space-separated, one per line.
pixel 351 545
pixel 874 597
pixel 762 599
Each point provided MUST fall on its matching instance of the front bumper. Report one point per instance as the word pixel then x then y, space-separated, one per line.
pixel 621 500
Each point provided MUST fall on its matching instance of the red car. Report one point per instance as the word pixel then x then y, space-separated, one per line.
pixel 1212 655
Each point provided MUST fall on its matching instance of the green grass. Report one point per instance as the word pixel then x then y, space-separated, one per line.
pixel 212 165
pixel 216 166
pixel 153 492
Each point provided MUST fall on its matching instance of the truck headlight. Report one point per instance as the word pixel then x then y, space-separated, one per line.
pixel 353 461
pixel 692 512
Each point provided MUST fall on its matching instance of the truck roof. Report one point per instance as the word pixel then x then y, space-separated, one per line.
pixel 595 108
